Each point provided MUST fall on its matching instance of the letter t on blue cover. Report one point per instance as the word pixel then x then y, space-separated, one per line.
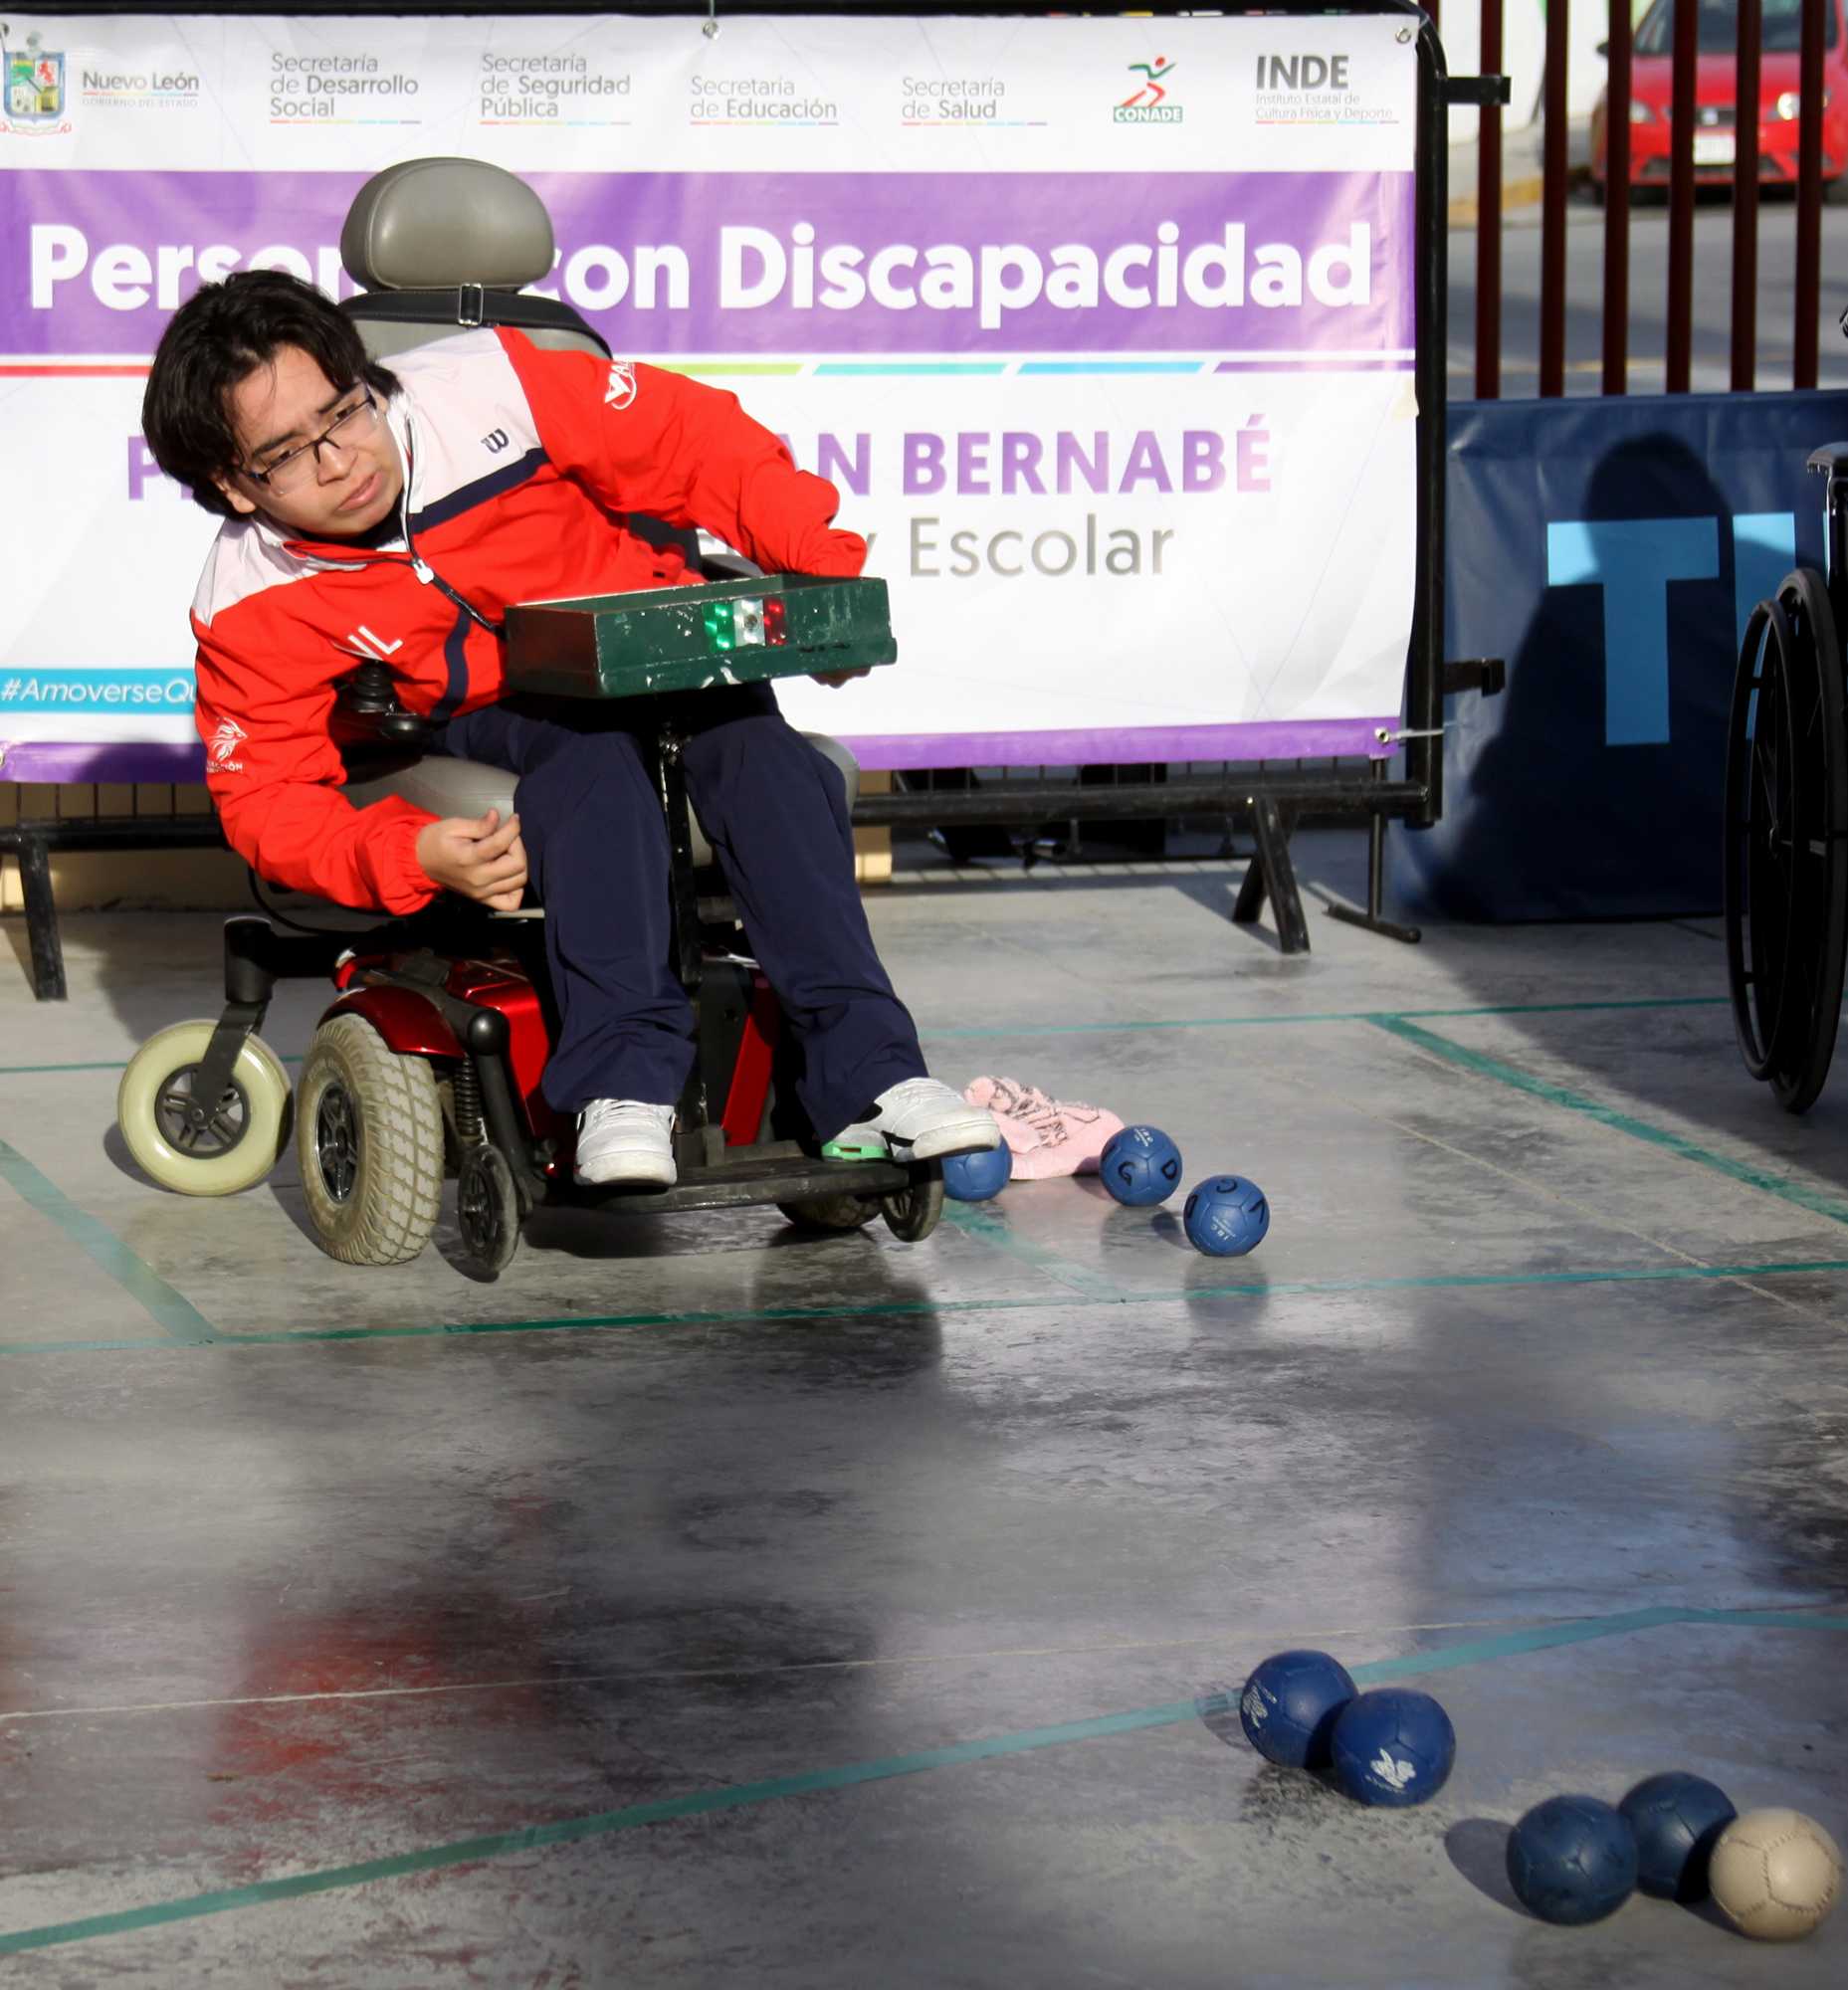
pixel 1633 559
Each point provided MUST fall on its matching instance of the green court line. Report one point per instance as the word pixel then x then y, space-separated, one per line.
pixel 1321 1016
pixel 930 1309
pixel 1770 1620
pixel 1172 1023
pixel 1813 1200
pixel 851 1775
pixel 31 1070
pixel 174 1314
pixel 989 1226
pixel 1554 1008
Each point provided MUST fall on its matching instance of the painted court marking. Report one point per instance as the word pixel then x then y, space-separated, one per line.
pixel 1171 1023
pixel 1065 1301
pixel 174 1314
pixel 184 1326
pixel 851 1775
pixel 1813 1200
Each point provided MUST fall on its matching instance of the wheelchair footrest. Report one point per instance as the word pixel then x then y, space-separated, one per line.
pixel 745 1177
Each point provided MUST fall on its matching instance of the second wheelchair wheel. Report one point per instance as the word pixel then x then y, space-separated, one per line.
pixel 203 1147
pixel 487 1209
pixel 911 1213
pixel 1785 877
pixel 369 1141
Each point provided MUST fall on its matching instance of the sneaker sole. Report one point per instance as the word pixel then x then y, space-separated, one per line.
pixel 966 1139
pixel 628 1171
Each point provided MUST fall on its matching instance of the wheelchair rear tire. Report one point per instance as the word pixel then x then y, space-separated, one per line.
pixel 1785 877
pixel 237 1147
pixel 369 1141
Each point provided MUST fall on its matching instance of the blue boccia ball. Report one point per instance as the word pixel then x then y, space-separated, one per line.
pixel 1676 1817
pixel 1140 1166
pixel 1392 1747
pixel 976 1177
pixel 1226 1216
pixel 1289 1705
pixel 1572 1859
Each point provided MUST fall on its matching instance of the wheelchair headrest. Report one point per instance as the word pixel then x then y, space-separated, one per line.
pixel 433 224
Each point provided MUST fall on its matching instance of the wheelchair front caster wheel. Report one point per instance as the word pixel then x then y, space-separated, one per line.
pixel 369 1141
pixel 913 1212
pixel 191 1145
pixel 487 1209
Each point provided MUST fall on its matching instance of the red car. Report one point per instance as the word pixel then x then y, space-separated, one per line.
pixel 1716 112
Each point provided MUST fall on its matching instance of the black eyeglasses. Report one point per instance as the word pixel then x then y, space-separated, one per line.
pixel 349 428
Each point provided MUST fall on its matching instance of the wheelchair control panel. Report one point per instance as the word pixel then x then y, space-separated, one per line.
pixel 674 639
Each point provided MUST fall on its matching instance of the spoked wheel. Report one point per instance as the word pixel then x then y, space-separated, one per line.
pixel 195 1145
pixel 913 1212
pixel 1787 842
pixel 486 1208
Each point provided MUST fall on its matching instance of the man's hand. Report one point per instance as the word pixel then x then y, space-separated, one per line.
pixel 478 858
pixel 835 678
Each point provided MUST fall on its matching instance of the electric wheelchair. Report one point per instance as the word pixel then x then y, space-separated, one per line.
pixel 426 1066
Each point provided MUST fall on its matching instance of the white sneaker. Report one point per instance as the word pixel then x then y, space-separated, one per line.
pixel 922 1119
pixel 624 1141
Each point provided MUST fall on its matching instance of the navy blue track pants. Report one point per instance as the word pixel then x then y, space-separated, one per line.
pixel 775 813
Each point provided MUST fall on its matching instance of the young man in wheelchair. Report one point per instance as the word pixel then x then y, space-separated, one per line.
pixel 393 515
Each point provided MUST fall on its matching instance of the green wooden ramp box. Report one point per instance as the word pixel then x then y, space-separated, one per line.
pixel 663 638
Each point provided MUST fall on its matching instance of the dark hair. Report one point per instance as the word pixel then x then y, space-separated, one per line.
pixel 219 337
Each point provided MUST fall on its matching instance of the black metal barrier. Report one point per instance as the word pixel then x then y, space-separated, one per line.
pixel 33 841
pixel 1270 800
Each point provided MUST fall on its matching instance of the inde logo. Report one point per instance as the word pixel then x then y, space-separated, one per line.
pixel 621 390
pixel 1302 73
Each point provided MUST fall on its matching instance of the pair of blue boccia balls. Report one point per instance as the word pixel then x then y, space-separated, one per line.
pixel 1576 1859
pixel 1571 1860
pixel 1391 1747
pixel 1225 1216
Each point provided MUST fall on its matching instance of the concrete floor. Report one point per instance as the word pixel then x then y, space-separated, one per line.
pixel 698 1605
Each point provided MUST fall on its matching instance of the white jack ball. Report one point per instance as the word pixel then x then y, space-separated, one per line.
pixel 1776 1873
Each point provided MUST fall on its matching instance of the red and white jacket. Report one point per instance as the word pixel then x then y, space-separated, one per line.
pixel 521 466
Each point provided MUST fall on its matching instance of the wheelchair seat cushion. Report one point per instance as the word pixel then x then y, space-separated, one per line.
pixel 433 781
pixel 447 786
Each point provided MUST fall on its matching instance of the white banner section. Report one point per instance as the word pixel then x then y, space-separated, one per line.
pixel 1102 327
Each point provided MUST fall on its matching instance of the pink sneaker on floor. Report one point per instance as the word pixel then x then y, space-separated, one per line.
pixel 1047 1136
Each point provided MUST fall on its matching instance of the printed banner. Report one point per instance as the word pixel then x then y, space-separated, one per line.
pixel 1103 329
